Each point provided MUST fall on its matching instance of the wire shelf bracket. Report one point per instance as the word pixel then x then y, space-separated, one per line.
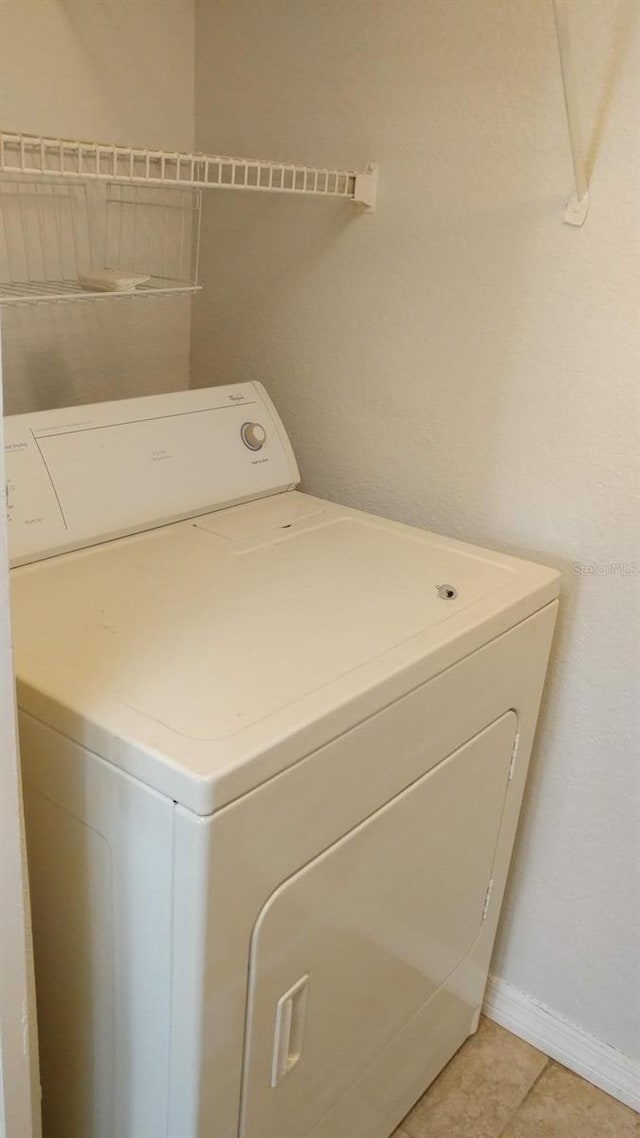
pixel 578 205
pixel 30 154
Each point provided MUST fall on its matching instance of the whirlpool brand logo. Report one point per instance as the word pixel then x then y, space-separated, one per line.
pixel 237 398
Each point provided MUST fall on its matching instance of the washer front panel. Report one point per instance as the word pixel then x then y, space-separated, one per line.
pixel 354 945
pixel 227 866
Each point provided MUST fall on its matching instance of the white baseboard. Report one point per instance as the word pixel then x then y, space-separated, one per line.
pixel 563 1041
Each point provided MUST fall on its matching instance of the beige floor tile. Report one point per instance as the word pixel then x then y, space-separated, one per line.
pixel 479 1089
pixel 562 1105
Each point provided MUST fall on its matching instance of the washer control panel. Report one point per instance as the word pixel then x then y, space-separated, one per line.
pixel 82 475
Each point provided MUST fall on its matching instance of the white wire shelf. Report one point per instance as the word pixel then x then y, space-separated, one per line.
pixel 65 158
pixel 34 292
pixel 57 237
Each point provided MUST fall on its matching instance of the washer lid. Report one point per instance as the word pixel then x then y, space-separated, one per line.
pixel 189 654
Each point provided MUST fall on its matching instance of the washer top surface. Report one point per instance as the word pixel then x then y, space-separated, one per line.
pixel 209 654
pixel 204 652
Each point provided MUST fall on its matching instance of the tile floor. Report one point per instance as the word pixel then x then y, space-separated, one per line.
pixel 497 1086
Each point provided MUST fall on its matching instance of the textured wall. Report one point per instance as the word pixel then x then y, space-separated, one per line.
pixel 111 70
pixel 464 361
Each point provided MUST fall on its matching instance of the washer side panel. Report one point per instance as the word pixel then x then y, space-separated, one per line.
pixel 99 848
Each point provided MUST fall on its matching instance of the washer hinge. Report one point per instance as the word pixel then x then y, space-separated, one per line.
pixel 487 900
pixel 514 755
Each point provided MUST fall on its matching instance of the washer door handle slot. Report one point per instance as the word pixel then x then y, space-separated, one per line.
pixel 288 1036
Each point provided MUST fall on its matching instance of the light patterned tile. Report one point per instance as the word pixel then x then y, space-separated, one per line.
pixel 562 1104
pixel 478 1091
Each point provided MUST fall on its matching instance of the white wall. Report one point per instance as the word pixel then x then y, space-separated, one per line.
pixel 19 1088
pixel 464 361
pixel 110 70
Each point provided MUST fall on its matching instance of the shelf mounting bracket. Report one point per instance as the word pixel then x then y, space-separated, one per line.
pixel 578 205
pixel 366 187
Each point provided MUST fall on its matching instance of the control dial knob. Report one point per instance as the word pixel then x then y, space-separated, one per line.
pixel 253 435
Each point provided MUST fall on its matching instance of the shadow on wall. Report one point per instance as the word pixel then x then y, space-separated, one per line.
pixel 626 20
pixel 57 355
pixel 104 35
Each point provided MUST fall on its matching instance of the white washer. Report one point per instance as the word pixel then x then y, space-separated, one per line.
pixel 274 751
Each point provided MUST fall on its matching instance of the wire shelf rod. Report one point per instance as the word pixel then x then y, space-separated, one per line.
pixel 36 292
pixel 67 158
